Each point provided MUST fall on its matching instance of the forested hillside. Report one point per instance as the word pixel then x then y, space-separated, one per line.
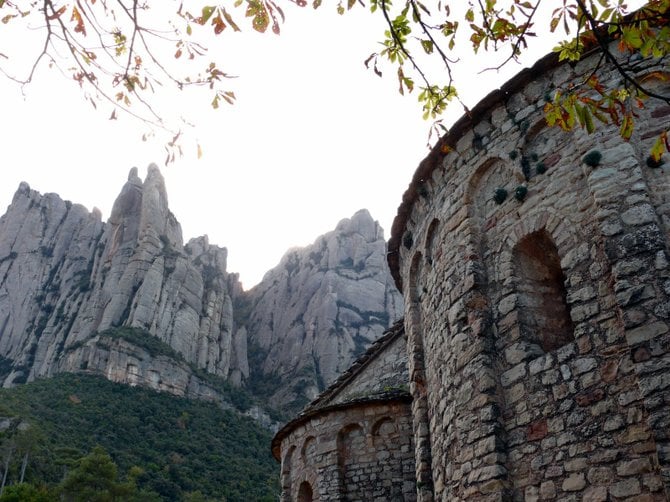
pixel 185 449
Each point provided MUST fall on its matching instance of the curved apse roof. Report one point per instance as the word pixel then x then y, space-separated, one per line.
pixel 465 123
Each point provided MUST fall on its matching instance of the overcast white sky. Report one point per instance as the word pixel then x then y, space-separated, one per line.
pixel 313 137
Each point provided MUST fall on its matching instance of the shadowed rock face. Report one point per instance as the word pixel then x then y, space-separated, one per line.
pixel 320 308
pixel 65 277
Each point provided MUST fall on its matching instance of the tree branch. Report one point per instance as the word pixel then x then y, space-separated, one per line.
pixel 603 44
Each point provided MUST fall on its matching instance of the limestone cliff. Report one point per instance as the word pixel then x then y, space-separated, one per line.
pixel 319 309
pixel 65 275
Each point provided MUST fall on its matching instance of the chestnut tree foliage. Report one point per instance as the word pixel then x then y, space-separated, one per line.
pixel 507 27
pixel 121 51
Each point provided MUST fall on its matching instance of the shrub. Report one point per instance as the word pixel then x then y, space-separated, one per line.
pixel 500 195
pixel 520 192
pixel 592 158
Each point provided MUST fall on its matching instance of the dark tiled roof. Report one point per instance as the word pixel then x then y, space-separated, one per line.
pixel 398 329
pixel 321 404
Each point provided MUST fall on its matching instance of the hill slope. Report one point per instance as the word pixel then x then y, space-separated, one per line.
pixel 182 445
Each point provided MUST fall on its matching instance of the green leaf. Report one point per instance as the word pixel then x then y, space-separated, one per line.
pixel 627 126
pixel 632 37
pixel 207 12
pixel 427 46
pixel 659 147
pixel 588 121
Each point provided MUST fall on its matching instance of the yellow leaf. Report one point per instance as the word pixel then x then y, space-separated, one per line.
pixel 79 22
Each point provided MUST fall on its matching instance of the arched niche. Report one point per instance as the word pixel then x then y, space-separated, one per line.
pixel 492 175
pixel 655 111
pixel 430 247
pixel 350 439
pixel 308 449
pixel 383 427
pixel 350 446
pixel 415 279
pixel 544 316
pixel 286 469
pixel 305 493
pixel 653 120
pixel 541 148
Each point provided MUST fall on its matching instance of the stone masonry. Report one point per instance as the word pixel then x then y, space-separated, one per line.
pixel 538 324
pixel 534 264
pixel 354 442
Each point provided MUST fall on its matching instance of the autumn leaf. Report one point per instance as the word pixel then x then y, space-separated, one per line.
pixel 627 126
pixel 207 12
pixel 259 12
pixel 229 20
pixel 218 24
pixel 76 17
pixel 660 146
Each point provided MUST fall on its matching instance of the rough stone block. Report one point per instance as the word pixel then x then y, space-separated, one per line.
pixel 574 482
pixel 595 494
pixel 626 488
pixel 634 467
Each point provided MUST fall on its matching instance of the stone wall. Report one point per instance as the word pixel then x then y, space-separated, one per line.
pixel 354 441
pixel 538 327
pixel 359 452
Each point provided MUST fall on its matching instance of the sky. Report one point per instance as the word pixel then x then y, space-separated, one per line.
pixel 313 138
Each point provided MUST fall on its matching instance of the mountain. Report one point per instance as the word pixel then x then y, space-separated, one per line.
pixel 70 284
pixel 319 309
pixel 66 276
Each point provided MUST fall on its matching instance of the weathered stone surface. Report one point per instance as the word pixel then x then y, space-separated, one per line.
pixel 321 307
pixel 77 276
pixel 578 270
pixel 67 276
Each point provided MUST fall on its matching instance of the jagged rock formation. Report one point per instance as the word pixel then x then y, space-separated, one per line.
pixel 320 308
pixel 65 275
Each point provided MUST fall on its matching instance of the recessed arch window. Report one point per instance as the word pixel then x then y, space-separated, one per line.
pixel 544 317
pixel 308 449
pixel 305 493
pixel 287 465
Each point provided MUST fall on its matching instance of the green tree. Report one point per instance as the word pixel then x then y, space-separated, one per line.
pixel 95 479
pixel 17 446
pixel 24 492
pixel 121 52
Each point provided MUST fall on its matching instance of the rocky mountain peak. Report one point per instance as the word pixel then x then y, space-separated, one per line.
pixel 67 279
pixel 361 223
pixel 76 277
pixel 319 308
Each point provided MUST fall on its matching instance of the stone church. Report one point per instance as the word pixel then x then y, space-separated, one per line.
pixel 533 362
